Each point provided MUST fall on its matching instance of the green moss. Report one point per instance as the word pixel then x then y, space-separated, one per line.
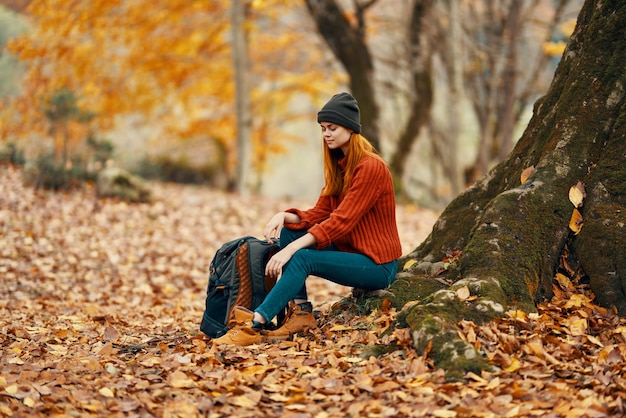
pixel 457 366
pixel 514 252
pixel 451 311
pixel 434 323
pixel 451 353
pixel 599 247
pixel 408 288
pixel 431 325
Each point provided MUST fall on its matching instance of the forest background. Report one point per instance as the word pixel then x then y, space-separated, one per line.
pixel 449 86
pixel 151 87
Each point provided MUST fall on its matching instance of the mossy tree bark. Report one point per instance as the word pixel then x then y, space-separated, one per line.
pixel 509 236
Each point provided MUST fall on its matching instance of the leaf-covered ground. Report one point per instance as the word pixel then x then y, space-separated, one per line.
pixel 101 302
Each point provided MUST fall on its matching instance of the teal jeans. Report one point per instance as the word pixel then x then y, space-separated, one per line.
pixel 344 268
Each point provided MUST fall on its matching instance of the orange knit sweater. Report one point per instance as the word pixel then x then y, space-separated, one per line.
pixel 361 221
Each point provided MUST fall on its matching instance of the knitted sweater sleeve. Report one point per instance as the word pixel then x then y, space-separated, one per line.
pixel 320 212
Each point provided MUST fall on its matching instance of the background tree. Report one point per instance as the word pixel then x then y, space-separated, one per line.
pixel 61 110
pixel 506 68
pixel 242 95
pixel 420 101
pixel 290 76
pixel 10 26
pixel 121 59
pixel 440 53
pixel 501 242
pixel 173 77
pixel 347 39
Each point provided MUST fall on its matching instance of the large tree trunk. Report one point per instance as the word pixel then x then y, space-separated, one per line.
pixel 503 239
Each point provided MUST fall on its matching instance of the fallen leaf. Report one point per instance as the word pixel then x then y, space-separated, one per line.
pixel 250 400
pixel 578 326
pixel 408 264
pixel 111 334
pixel 576 222
pixel 106 392
pixel 529 171
pixel 444 413
pixel 514 366
pixel 386 386
pixel 595 341
pixel 340 328
pixel 106 350
pixel 11 390
pixel 576 301
pixel 535 346
pixel 576 195
pixel 179 380
pixel 253 370
pixel 463 293
pixel 564 281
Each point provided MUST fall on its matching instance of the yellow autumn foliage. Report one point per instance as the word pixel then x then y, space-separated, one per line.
pixel 169 61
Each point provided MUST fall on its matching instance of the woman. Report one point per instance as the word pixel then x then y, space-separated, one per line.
pixel 350 237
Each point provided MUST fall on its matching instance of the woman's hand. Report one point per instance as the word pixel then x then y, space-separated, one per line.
pixel 274 267
pixel 273 227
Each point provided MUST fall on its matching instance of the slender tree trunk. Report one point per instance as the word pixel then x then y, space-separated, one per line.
pixel 484 82
pixel 503 238
pixel 509 82
pixel 65 139
pixel 533 79
pixel 422 98
pixel 54 132
pixel 501 89
pixel 456 99
pixel 242 98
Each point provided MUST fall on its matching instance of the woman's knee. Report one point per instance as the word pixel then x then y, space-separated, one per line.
pixel 299 257
pixel 290 235
pixel 299 263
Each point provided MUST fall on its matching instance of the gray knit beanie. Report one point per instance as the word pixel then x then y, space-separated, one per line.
pixel 343 110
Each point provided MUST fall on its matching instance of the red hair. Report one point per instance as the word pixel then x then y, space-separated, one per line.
pixel 338 180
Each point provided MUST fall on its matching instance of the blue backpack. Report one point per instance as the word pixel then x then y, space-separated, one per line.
pixel 236 278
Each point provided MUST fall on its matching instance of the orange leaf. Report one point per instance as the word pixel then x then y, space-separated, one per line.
pixel 564 281
pixel 576 222
pixel 527 173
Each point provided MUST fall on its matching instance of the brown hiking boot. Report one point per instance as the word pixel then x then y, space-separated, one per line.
pixel 244 332
pixel 299 319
